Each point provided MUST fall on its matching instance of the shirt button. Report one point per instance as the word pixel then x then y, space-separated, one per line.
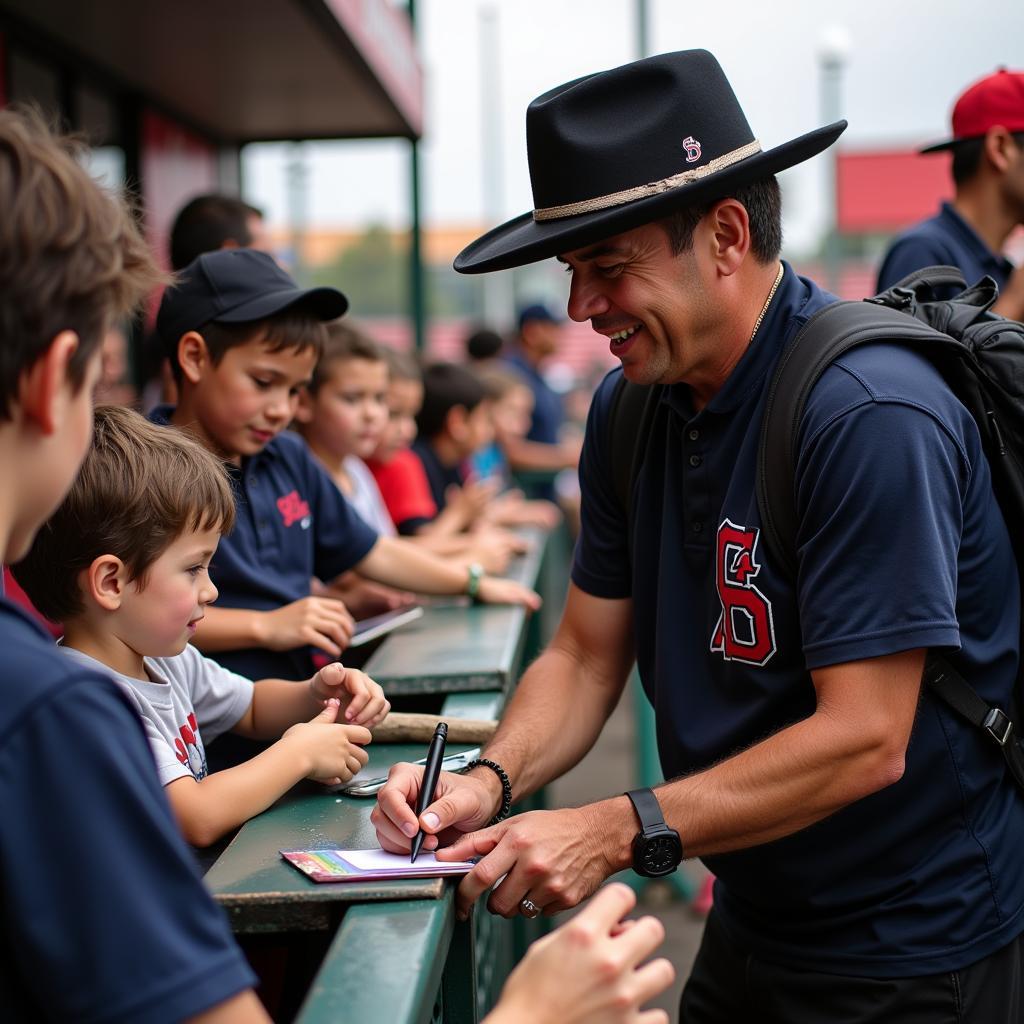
pixel 697 526
pixel 696 460
pixel 694 434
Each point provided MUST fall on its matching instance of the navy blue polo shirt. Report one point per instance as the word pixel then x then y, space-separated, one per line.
pixel 103 916
pixel 291 524
pixel 439 476
pixel 945 239
pixel 901 545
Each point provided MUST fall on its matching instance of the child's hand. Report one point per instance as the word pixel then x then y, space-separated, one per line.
pixel 362 699
pixel 321 622
pixel 472 498
pixel 495 590
pixel 335 751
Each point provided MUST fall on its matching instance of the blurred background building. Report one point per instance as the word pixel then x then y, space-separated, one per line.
pixel 311 110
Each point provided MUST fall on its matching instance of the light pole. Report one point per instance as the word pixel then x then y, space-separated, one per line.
pixel 833 49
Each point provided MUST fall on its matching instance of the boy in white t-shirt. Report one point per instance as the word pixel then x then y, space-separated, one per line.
pixel 123 564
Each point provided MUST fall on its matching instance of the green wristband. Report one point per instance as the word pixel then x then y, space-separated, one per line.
pixel 476 574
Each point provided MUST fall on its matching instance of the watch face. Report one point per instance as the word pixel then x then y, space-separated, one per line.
pixel 661 854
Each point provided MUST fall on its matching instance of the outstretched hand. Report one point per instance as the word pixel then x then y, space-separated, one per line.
pixel 591 970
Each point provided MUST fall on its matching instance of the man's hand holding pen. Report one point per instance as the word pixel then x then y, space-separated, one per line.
pixel 552 859
pixel 462 803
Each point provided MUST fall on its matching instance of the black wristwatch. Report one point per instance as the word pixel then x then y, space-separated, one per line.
pixel 657 849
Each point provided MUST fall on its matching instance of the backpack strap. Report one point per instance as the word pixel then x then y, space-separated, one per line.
pixel 948 684
pixel 924 281
pixel 827 335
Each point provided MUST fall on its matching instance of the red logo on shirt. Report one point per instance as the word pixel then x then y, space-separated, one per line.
pixel 293 509
pixel 746 627
pixel 189 748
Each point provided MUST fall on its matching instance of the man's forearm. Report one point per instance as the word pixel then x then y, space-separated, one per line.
pixel 552 720
pixel 794 778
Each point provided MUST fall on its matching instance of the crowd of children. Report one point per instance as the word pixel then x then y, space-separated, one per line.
pixel 125 531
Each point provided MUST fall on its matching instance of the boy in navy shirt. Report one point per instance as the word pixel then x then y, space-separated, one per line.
pixel 102 914
pixel 243 339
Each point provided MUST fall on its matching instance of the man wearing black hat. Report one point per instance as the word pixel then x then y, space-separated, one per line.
pixel 969 233
pixel 866 844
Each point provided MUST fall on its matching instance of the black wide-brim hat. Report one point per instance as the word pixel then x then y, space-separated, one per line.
pixel 621 148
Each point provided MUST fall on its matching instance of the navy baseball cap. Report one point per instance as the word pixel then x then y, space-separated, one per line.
pixel 537 311
pixel 237 286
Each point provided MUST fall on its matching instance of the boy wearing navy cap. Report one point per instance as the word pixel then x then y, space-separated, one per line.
pixel 988 171
pixel 243 338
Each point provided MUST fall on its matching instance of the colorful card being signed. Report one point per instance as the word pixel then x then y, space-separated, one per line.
pixel 369 865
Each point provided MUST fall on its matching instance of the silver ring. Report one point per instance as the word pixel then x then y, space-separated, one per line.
pixel 528 908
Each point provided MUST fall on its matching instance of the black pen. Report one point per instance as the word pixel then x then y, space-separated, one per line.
pixel 431 771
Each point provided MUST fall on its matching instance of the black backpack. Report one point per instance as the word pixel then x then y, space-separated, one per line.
pixel 981 357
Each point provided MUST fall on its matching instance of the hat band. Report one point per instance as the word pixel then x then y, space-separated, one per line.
pixel 652 188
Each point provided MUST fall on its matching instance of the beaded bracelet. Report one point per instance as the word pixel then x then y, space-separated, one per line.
pixel 506 787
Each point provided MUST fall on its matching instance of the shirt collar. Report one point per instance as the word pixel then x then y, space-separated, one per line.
pixel 161 414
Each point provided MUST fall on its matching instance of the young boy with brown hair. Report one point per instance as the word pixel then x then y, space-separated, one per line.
pixel 244 339
pixel 102 915
pixel 123 564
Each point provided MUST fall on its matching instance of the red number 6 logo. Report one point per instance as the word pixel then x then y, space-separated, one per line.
pixel 746 628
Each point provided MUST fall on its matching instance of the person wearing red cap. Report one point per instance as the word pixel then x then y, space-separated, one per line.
pixel 988 172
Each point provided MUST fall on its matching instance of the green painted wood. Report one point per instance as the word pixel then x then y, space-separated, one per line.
pixel 385 964
pixel 261 892
pixel 457 646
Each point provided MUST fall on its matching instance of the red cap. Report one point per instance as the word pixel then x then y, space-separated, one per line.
pixel 995 100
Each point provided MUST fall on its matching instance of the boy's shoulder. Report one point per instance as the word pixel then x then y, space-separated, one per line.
pixel 35 672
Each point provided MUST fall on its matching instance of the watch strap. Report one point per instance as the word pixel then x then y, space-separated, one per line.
pixel 647 808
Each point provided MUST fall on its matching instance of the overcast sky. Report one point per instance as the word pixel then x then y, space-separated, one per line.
pixel 903 67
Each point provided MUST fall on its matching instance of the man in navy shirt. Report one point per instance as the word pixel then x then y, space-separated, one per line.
pixel 988 172
pixel 103 916
pixel 865 841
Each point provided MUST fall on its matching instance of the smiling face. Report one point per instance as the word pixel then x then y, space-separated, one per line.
pixel 348 412
pixel 158 615
pixel 241 403
pixel 652 304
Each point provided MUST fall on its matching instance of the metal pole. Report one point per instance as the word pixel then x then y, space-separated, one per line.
pixel 497 287
pixel 832 56
pixel 296 175
pixel 643 47
pixel 417 291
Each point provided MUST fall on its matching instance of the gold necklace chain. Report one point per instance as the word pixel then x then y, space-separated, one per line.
pixel 767 303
